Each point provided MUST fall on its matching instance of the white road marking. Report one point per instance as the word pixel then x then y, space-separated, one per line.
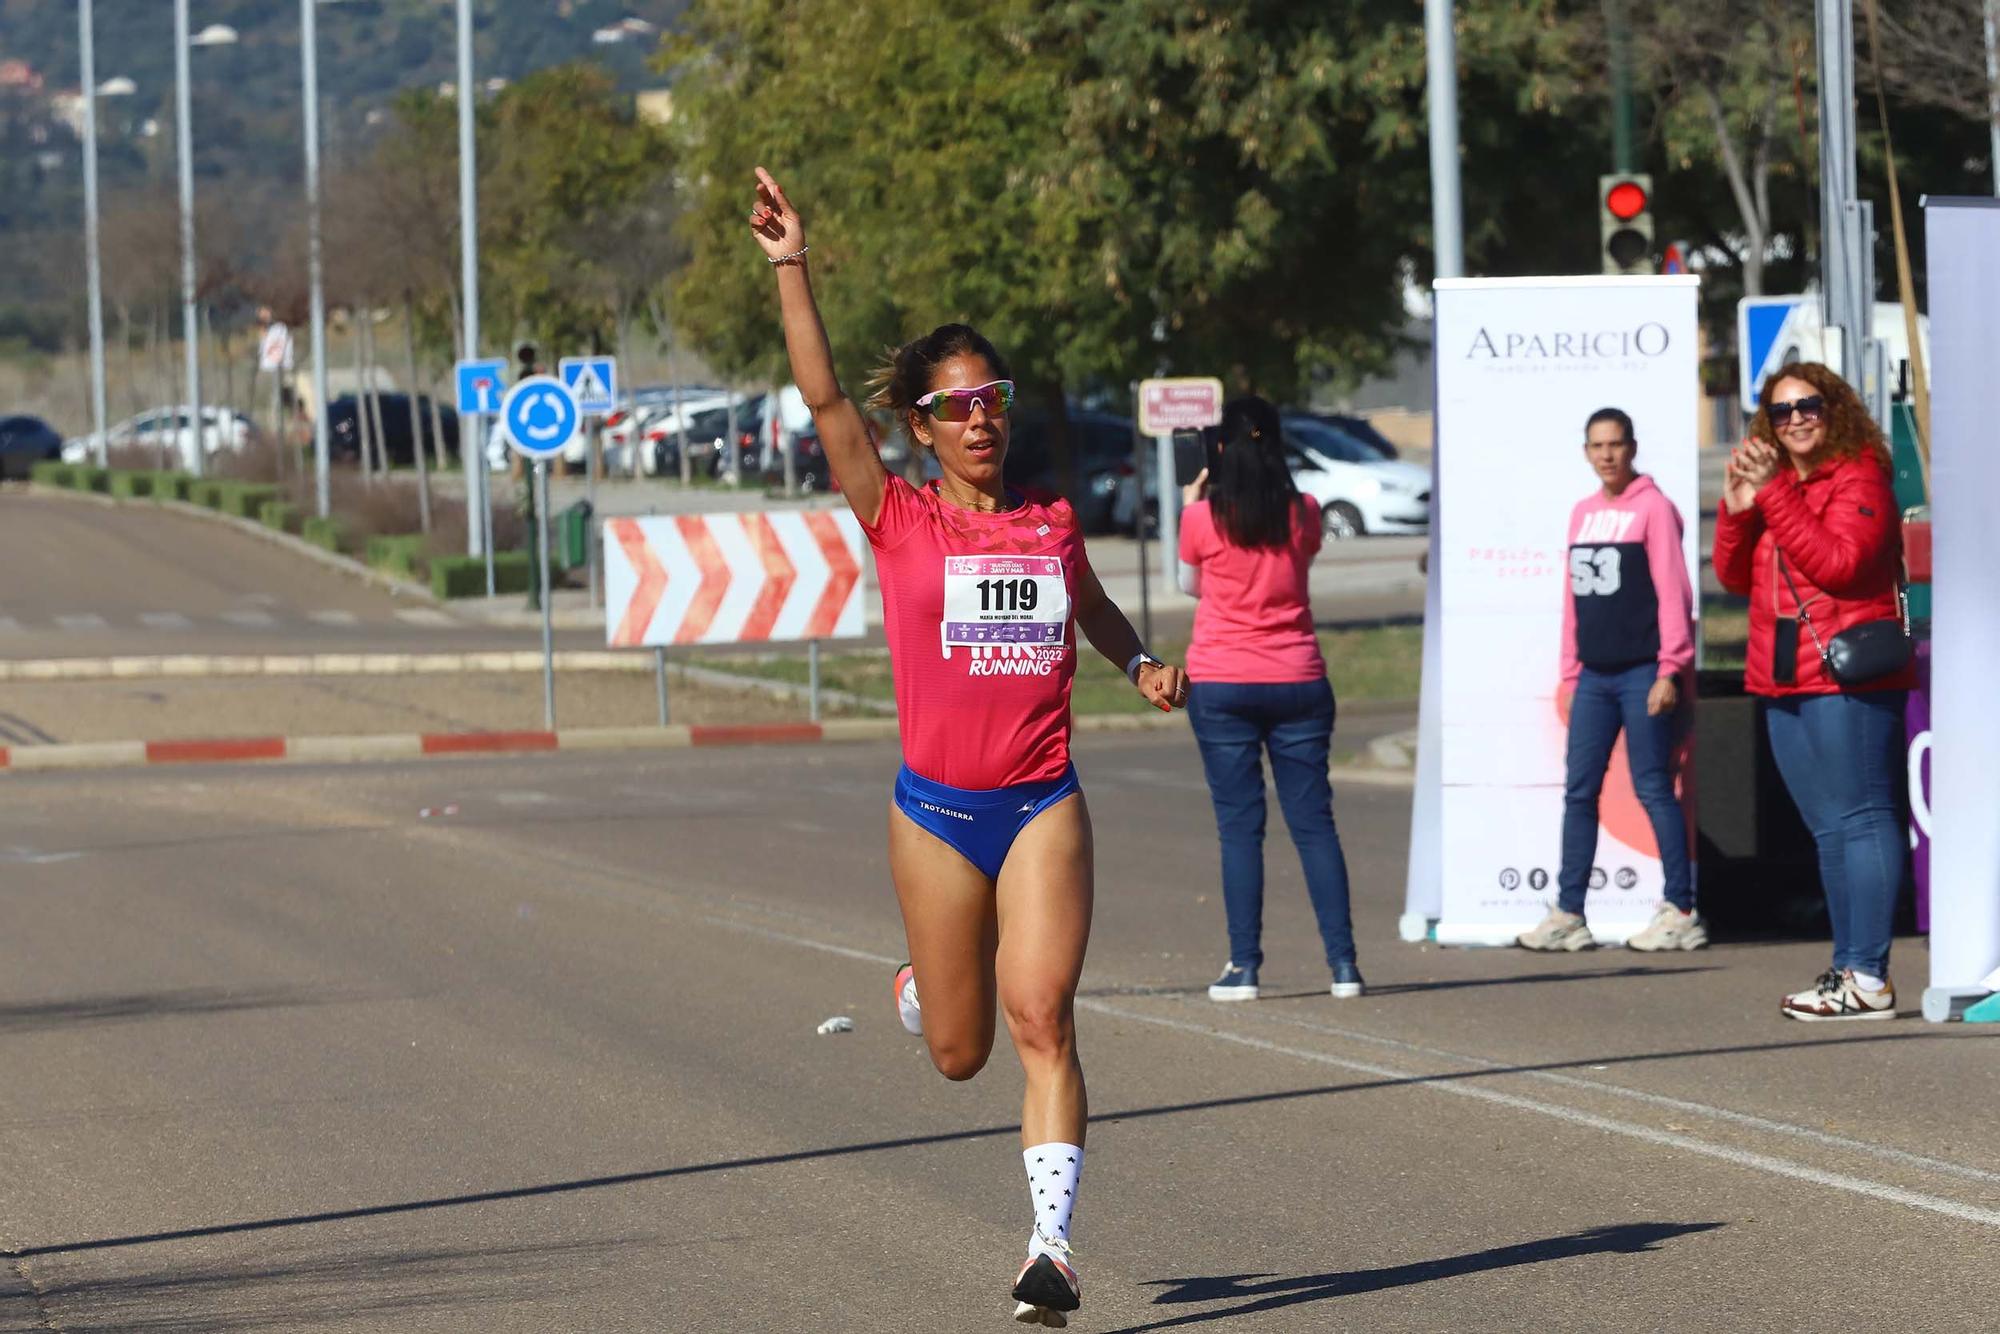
pixel 334 617
pixel 425 616
pixel 85 621
pixel 165 620
pixel 1449 1084
pixel 258 619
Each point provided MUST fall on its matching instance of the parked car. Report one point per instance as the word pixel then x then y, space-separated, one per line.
pixel 1361 429
pixel 663 430
pixel 1358 490
pixel 167 430
pixel 810 469
pixel 1103 447
pixel 24 442
pixel 709 438
pixel 343 430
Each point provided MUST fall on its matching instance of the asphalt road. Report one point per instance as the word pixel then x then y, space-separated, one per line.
pixel 284 1053
pixel 86 579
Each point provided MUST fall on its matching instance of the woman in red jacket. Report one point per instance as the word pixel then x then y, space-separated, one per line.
pixel 1808 531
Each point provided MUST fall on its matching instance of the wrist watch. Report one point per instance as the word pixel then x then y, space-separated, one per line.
pixel 1140 659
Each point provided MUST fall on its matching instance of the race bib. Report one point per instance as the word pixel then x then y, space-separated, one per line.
pixel 1004 600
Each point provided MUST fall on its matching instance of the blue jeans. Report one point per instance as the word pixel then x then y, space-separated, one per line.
pixel 1841 757
pixel 1235 725
pixel 1605 703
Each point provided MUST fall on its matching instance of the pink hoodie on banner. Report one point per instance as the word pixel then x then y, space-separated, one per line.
pixel 1629 599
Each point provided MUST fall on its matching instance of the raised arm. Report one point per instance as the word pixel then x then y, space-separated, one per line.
pixel 843 432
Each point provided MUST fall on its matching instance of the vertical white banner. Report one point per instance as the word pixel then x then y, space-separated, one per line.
pixel 1963 237
pixel 1521 365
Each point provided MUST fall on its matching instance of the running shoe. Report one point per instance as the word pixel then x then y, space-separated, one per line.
pixel 1558 931
pixel 1347 983
pixel 1671 929
pixel 907 1009
pixel 1237 983
pixel 1045 1292
pixel 1837 996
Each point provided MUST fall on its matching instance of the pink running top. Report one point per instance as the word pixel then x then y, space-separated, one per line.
pixel 977 610
pixel 1254 622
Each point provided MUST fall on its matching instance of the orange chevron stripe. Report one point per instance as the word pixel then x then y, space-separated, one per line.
pixel 714 578
pixel 652 583
pixel 845 573
pixel 779 576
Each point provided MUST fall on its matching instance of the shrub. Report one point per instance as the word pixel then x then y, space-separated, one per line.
pixel 465 576
pixel 171 485
pixel 52 473
pixel 207 492
pixel 246 499
pixel 397 554
pixel 282 515
pixel 131 485
pixel 321 532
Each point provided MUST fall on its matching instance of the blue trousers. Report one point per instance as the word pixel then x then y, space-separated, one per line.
pixel 1605 703
pixel 1236 725
pixel 1841 757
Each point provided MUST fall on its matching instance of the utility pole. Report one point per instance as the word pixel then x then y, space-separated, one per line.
pixel 87 56
pixel 1447 215
pixel 472 441
pixel 1847 222
pixel 1618 30
pixel 1993 88
pixel 315 263
pixel 190 324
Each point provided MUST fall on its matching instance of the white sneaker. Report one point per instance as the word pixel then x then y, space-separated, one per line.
pixel 1558 931
pixel 1837 996
pixel 907 1009
pixel 1671 929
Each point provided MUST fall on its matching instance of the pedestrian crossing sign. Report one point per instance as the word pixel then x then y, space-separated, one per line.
pixel 593 380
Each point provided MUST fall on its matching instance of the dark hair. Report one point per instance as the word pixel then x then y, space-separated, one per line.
pixel 1252 493
pixel 1850 431
pixel 1617 415
pixel 906 376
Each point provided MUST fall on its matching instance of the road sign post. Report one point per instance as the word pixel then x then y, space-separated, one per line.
pixel 539 417
pixel 594 382
pixel 1186 403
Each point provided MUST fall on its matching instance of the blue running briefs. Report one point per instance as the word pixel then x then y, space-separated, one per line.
pixel 982 826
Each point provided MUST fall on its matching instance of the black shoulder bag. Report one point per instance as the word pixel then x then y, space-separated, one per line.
pixel 1860 653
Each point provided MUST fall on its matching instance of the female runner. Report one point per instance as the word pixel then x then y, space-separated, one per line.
pixel 989 837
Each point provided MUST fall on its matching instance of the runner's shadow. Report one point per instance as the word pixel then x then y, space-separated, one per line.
pixel 1266 1293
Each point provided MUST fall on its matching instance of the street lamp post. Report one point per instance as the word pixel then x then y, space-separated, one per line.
pixel 472 442
pixel 87 57
pixel 190 325
pixel 316 272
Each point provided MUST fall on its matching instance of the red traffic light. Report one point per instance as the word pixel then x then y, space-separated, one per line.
pixel 1625 200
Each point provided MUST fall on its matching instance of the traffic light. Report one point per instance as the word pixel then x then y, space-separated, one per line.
pixel 1625 222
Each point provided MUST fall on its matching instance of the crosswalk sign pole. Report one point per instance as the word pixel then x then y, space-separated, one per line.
pixel 548 613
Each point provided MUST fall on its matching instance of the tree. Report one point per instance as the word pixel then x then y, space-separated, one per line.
pixel 1933 53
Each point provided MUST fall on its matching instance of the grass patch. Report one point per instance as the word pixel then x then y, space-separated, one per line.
pixel 1378 662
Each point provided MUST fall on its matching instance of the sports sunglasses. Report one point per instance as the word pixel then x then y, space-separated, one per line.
pixel 1810 408
pixel 955 405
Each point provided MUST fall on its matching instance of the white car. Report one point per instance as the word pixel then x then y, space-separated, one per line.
pixel 654 433
pixel 167 429
pixel 1360 489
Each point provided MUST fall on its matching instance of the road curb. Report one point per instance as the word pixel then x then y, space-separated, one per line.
pixel 138 667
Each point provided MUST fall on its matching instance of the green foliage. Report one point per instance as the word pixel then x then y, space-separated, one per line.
pixel 206 493
pixel 169 485
pixel 324 533
pixel 281 515
pixel 131 485
pixel 53 473
pixel 465 576
pixel 397 554
pixel 91 479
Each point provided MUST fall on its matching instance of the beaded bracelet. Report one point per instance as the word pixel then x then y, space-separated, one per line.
pixel 786 259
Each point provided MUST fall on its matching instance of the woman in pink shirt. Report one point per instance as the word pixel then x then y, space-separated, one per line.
pixel 1259 685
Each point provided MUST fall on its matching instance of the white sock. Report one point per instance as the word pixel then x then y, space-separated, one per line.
pixel 1053 1172
pixel 1867 981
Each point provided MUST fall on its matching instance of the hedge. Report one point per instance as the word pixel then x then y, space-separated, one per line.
pixel 465 576
pixel 282 515
pixel 170 484
pixel 131 485
pixel 397 554
pixel 321 532
pixel 207 493
pixel 51 472
pixel 246 500
pixel 91 479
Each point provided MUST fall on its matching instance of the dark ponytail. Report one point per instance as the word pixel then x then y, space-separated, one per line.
pixel 1252 494
pixel 906 376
